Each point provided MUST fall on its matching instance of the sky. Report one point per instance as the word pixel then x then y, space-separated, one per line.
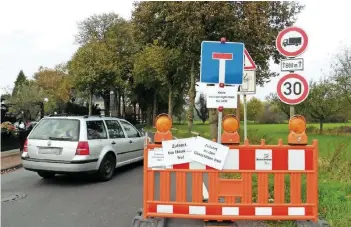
pixel 41 33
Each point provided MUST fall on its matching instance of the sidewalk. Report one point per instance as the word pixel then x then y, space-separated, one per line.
pixel 10 159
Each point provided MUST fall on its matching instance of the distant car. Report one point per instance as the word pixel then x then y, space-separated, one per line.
pixel 71 144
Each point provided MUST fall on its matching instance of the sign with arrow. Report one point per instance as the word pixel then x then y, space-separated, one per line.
pixel 292 64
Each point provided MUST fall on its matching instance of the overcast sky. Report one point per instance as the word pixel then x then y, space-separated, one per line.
pixel 36 33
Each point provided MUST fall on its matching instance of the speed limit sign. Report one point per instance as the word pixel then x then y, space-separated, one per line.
pixel 292 89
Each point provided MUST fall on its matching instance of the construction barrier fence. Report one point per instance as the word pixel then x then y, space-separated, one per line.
pixel 180 188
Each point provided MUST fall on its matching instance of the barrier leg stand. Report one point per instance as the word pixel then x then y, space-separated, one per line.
pixel 139 221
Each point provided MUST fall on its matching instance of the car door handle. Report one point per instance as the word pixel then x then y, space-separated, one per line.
pixel 130 141
pixel 113 142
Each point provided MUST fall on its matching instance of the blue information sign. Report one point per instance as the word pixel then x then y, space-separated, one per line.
pixel 222 62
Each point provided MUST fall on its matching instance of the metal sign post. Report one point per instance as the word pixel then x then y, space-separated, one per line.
pixel 249 85
pixel 245 117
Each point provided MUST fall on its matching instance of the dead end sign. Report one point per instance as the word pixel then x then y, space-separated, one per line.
pixel 209 153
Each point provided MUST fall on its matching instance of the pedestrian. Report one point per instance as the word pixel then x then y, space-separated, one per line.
pixel 22 134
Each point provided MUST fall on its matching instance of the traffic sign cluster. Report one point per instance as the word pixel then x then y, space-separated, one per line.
pixel 292 88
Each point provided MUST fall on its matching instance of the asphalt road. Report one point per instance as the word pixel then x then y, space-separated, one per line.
pixel 76 201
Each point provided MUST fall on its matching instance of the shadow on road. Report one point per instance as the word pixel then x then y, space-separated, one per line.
pixel 87 179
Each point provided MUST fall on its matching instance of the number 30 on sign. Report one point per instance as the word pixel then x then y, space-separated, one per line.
pixel 292 89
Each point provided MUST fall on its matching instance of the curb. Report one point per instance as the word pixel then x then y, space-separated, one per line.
pixel 9 153
pixel 10 168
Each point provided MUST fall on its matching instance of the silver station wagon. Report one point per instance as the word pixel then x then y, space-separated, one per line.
pixel 71 144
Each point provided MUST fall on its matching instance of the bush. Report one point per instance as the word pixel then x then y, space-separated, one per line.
pixel 312 130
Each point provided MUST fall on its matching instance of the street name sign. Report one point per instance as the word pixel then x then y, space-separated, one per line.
pixel 292 41
pixel 292 64
pixel 222 62
pixel 225 97
pixel 292 89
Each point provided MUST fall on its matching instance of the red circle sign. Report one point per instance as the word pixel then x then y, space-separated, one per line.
pixel 292 89
pixel 291 42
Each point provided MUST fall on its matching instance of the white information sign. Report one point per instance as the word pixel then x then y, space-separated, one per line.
pixel 249 83
pixel 209 153
pixel 292 64
pixel 225 97
pixel 156 158
pixel 177 151
pixel 263 159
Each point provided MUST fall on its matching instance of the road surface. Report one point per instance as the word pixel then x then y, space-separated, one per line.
pixel 76 201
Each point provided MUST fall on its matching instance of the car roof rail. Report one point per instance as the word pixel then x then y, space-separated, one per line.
pixel 61 115
pixel 87 116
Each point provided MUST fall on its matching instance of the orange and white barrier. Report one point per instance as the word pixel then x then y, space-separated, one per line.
pixel 245 160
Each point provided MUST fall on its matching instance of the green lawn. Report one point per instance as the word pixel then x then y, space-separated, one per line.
pixel 334 167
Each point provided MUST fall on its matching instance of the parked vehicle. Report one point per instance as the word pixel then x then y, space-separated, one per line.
pixel 66 144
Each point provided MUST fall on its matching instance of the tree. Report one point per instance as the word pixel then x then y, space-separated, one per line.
pixel 323 101
pixel 342 73
pixel 201 109
pixel 254 109
pixel 279 106
pixel 28 99
pixel 93 68
pixel 113 31
pixel 95 27
pixel 175 25
pixel 21 79
pixel 56 83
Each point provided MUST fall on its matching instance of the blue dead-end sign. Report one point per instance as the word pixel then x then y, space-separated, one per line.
pixel 222 62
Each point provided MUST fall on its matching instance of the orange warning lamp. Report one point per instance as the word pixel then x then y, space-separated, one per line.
pixel 163 124
pixel 230 127
pixel 297 127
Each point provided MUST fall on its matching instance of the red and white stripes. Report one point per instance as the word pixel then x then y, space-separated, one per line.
pixel 248 158
pixel 227 210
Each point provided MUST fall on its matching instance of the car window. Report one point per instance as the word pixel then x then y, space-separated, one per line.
pixel 130 130
pixel 96 130
pixel 56 129
pixel 114 129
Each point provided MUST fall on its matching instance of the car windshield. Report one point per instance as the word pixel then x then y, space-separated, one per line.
pixel 56 129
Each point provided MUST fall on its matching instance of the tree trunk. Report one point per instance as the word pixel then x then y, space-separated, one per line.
pixel 213 123
pixel 191 97
pixel 118 105
pixel 149 116
pixel 135 113
pixel 107 104
pixel 123 106
pixel 154 108
pixel 170 102
pixel 90 103
pixel 321 126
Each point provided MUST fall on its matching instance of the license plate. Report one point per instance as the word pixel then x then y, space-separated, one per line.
pixel 55 151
